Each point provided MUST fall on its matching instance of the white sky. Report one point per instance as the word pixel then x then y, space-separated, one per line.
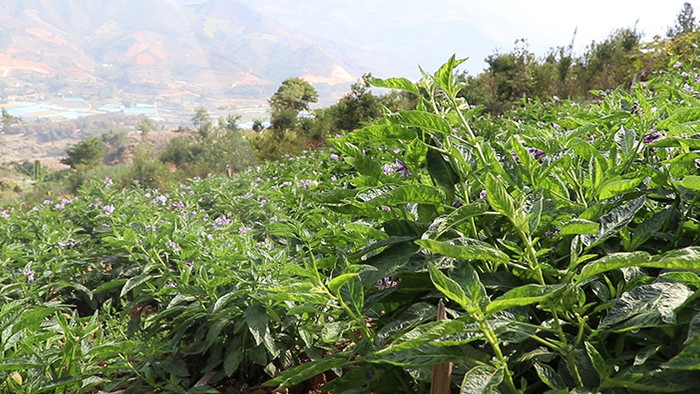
pixel 551 23
pixel 406 33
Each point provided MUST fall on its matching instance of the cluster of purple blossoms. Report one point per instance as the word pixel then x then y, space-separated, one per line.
pixel 149 227
pixel 108 209
pixel 174 246
pixel 69 244
pixel 306 183
pixel 29 273
pixel 335 157
pixel 515 157
pixel 649 138
pixel 244 229
pixel 170 285
pixel 399 167
pixel 108 181
pixel 221 221
pixel 5 214
pixel 47 202
pixel 538 154
pixel 160 199
pixel 387 283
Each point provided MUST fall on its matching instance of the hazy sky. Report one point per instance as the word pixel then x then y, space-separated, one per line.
pixel 427 32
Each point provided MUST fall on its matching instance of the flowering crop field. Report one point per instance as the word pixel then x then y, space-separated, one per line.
pixel 560 237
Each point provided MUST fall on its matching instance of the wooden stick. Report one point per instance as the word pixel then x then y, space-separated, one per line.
pixel 441 372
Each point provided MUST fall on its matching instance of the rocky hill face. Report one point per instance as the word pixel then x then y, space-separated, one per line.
pixel 215 48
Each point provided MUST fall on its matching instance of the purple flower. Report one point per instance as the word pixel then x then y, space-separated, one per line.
pixel 47 202
pixel 482 194
pixel 60 206
pixel 5 214
pixel 29 274
pixel 457 205
pixel 687 88
pixel 221 221
pixel 677 65
pixel 335 157
pixel 244 229
pixel 170 285
pixel 174 246
pixel 556 126
pixel 515 157
pixel 108 181
pixel 399 167
pixel 387 283
pixel 538 154
pixel 160 200
pixel 69 244
pixel 649 138
pixel 149 227
pixel 108 209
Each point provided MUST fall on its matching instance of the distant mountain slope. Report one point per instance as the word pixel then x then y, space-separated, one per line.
pixel 218 48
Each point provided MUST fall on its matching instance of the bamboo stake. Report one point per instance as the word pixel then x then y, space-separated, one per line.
pixel 441 372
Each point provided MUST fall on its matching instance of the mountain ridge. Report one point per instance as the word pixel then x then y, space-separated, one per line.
pixel 213 48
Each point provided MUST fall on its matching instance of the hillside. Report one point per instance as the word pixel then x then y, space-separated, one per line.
pixel 210 50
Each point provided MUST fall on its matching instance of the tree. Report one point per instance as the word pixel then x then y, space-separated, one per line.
pixel 685 22
pixel 87 153
pixel 8 120
pixel 146 126
pixel 294 94
pixel 292 97
pixel 201 121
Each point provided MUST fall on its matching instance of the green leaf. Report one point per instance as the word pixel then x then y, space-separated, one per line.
pixel 232 361
pixel 614 188
pixel 691 182
pixel 442 171
pixel 647 306
pixel 366 166
pixel 425 120
pixel 579 226
pixel 353 293
pixel 614 221
pixel 523 295
pixel 462 215
pixel 332 332
pixel 680 115
pixel 395 83
pixel 599 364
pixel 499 198
pixel 626 139
pixel 444 76
pixel 405 194
pixel 381 132
pixel 422 335
pixel 412 315
pixel 688 358
pixel 450 288
pixel 17 364
pixel 305 372
pixel 335 283
pixel 256 318
pixel 110 285
pixel 549 376
pixel 55 384
pixel 469 252
pixel 612 262
pixel 133 282
pixel 481 380
pixel 415 154
pixel 647 381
